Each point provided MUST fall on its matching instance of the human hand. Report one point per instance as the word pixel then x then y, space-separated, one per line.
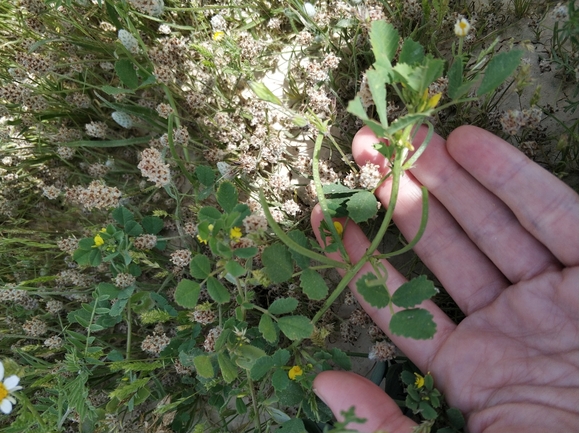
pixel 503 239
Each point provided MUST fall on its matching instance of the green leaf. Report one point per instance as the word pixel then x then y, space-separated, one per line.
pixel 248 356
pixel 295 327
pixel 152 224
pixel 411 53
pixel 264 93
pixel 313 285
pixel 203 366
pixel 127 73
pixel 261 367
pixel 292 395
pixel 341 359
pixel 362 206
pixel 283 306
pixel 200 266
pixel 357 109
pixel 205 175
pixel 267 328
pixel 372 291
pixel 414 292
pixel 280 357
pixel 91 257
pixel 133 228
pixel 295 425
pixel 299 238
pixel 227 367
pixel 426 410
pixel 110 90
pixel 245 253
pixel 128 390
pixel 217 291
pixel 404 121
pixel 377 79
pixel 455 78
pixel 384 40
pixel 227 196
pixel 418 78
pixel 209 213
pixel 240 406
pixel 280 380
pixel 277 263
pixel 86 244
pixel 455 418
pixel 187 293
pixel 122 215
pixel 498 70
pixel 235 269
pixel 413 323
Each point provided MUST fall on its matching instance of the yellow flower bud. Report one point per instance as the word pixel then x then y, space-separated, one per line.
pixel 218 35
pixel 339 228
pixel 433 102
pixel 294 372
pixel 419 383
pixel 98 241
pixel 235 233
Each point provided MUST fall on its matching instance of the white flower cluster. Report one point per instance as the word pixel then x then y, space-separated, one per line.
pixel 369 176
pixel 153 168
pixel 96 196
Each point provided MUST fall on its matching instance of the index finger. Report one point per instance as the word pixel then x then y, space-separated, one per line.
pixel 544 205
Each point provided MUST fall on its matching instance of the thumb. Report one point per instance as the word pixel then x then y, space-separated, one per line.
pixel 342 390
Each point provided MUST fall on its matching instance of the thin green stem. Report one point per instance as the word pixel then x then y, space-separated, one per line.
pixel 421 229
pixel 254 402
pixel 291 243
pixel 129 330
pixel 322 197
pixel 353 271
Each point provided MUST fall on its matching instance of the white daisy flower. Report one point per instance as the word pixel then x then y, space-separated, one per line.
pixel 462 27
pixel 7 386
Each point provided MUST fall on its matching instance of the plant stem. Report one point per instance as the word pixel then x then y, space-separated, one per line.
pixel 353 271
pixel 129 330
pixel 254 402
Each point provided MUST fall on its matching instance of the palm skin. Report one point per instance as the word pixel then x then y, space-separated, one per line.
pixel 503 239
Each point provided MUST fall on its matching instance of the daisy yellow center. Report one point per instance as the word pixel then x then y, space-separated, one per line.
pixel 3 392
pixel 463 25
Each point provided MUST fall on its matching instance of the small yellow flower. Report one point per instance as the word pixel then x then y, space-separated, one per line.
pixel 433 101
pixel 218 35
pixel 339 228
pixel 419 383
pixel 98 241
pixel 294 372
pixel 462 27
pixel 235 233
